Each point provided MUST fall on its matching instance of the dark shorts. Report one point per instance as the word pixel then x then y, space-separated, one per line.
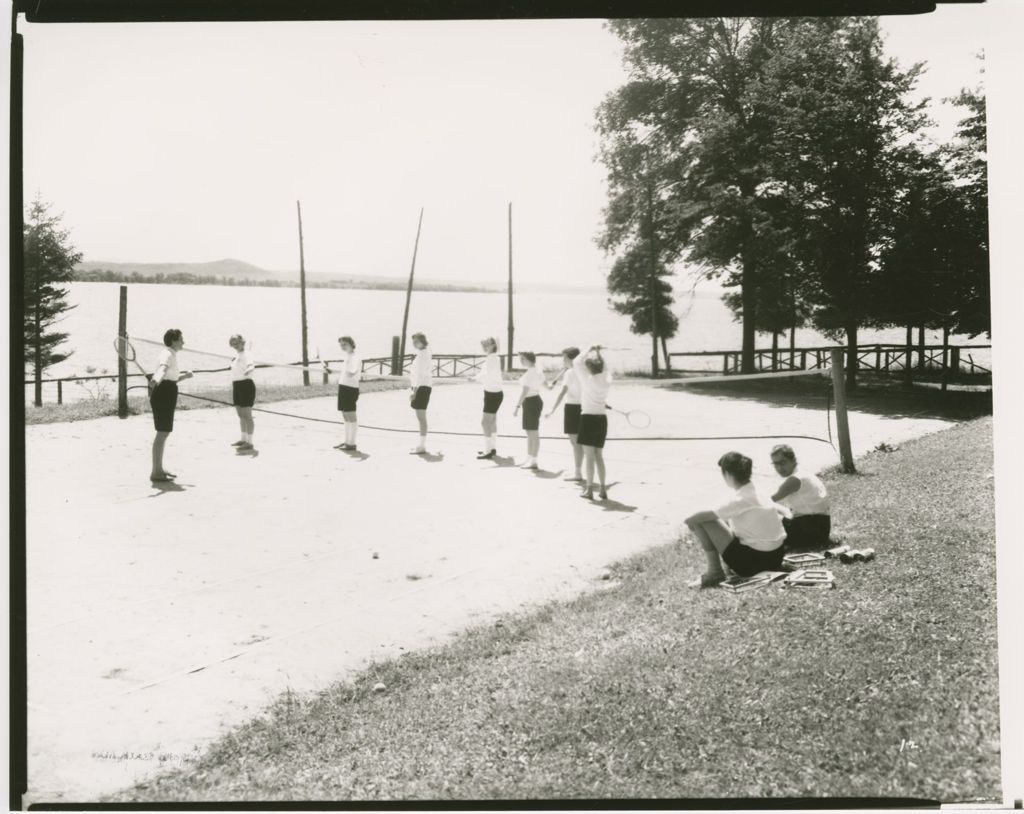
pixel 421 398
pixel 593 431
pixel 571 419
pixel 347 398
pixel 532 406
pixel 163 400
pixel 492 401
pixel 747 561
pixel 807 532
pixel 243 393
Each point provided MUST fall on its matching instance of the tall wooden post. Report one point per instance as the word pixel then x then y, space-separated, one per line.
pixel 842 421
pixel 408 291
pixel 945 355
pixel 652 282
pixel 302 297
pixel 396 359
pixel 511 323
pixel 122 365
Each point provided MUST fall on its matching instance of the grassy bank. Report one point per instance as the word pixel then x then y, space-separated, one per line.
pixel 138 402
pixel 885 686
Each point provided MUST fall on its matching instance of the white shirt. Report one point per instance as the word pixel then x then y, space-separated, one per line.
pixel 810 498
pixel 753 519
pixel 352 371
pixel 169 361
pixel 241 367
pixel 571 382
pixel 593 388
pixel 531 380
pixel 490 373
pixel 421 372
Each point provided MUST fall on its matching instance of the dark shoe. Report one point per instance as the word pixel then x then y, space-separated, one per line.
pixel 483 456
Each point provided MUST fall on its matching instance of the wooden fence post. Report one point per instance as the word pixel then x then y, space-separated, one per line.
pixel 396 359
pixel 842 421
pixel 122 365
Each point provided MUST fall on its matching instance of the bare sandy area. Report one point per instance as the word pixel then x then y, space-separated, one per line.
pixel 160 617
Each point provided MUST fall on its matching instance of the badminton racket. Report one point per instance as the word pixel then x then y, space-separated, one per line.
pixel 126 350
pixel 317 368
pixel 636 418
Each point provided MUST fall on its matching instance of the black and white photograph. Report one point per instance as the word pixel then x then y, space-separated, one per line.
pixel 551 410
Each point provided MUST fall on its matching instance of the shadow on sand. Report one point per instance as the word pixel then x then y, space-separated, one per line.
pixel 546 474
pixel 165 486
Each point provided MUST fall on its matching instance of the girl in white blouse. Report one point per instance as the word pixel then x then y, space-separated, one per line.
pixel 243 391
pixel 420 382
pixel 595 380
pixel 491 379
pixel 531 404
pixel 163 398
pixel 570 391
pixel 348 390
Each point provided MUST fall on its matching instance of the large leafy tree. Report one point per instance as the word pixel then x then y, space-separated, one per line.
pixel 846 143
pixel 49 261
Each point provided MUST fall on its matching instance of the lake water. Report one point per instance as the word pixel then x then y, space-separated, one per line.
pixel 453 322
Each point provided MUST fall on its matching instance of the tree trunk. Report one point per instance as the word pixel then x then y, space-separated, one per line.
pixel 920 347
pixel 775 351
pixel 668 359
pixel 792 347
pixel 654 354
pixel 908 366
pixel 851 357
pixel 38 389
pixel 749 315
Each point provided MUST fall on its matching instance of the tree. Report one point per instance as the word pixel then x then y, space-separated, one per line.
pixel 49 265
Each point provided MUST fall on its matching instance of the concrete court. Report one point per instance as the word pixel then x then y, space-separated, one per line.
pixel 159 618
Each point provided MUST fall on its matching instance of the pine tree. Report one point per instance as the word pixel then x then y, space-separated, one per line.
pixel 50 260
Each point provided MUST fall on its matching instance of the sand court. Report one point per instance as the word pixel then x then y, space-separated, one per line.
pixel 160 617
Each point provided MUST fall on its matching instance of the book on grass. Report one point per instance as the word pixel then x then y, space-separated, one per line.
pixel 810 578
pixel 739 584
pixel 794 562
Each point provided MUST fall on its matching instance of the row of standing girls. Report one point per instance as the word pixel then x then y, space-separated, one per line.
pixel 583 384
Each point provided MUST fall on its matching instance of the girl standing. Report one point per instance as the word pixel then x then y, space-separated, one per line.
pixel 163 398
pixel 243 391
pixel 595 381
pixel 490 377
pixel 531 404
pixel 348 390
pixel 420 381
pixel 570 391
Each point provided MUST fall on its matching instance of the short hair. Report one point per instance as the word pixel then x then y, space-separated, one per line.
pixel 529 356
pixel 347 340
pixel 785 450
pixel 572 353
pixel 171 335
pixel 236 338
pixel 738 465
pixel 490 340
pixel 421 337
pixel 594 365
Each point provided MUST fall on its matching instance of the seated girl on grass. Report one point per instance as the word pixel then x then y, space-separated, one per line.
pixel 746 532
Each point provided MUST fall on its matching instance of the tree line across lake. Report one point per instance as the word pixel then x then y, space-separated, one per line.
pixel 786 158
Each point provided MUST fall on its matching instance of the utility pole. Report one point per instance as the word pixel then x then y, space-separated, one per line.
pixel 302 295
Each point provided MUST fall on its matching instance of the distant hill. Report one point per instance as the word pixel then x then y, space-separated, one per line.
pixel 237 272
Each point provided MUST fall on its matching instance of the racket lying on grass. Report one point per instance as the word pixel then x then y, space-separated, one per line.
pixel 636 418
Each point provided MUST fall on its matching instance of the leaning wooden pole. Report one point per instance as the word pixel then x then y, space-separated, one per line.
pixel 511 323
pixel 302 298
pixel 408 291
pixel 842 421
pixel 122 365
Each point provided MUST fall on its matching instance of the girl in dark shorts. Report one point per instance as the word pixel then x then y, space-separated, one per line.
pixel 490 377
pixel 243 391
pixel 746 533
pixel 420 381
pixel 348 390
pixel 571 413
pixel 532 405
pixel 163 398
pixel 595 382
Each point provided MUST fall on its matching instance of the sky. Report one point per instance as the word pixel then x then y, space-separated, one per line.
pixel 193 142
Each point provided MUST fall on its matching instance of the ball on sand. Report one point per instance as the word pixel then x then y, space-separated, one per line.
pixel 379 687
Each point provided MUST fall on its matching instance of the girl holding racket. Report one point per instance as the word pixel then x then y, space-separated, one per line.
pixel 531 404
pixel 490 377
pixel 595 381
pixel 243 391
pixel 163 398
pixel 348 390
pixel 570 391
pixel 420 380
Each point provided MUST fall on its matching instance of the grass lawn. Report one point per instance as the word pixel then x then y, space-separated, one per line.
pixel 884 686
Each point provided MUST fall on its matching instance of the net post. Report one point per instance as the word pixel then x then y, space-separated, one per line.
pixel 122 365
pixel 842 421
pixel 60 391
pixel 396 359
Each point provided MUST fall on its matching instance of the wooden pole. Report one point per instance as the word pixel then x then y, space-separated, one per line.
pixel 302 297
pixel 651 281
pixel 945 354
pixel 396 359
pixel 842 421
pixel 408 291
pixel 122 365
pixel 511 323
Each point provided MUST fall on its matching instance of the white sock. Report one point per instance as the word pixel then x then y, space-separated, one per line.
pixel 246 438
pixel 423 442
pixel 354 428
